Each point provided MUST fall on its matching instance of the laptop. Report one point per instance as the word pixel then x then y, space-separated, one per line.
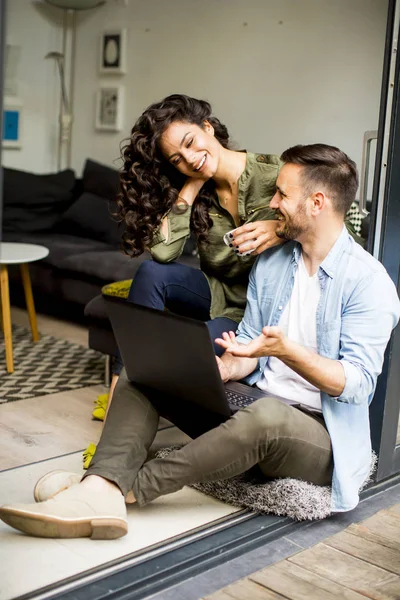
pixel 175 355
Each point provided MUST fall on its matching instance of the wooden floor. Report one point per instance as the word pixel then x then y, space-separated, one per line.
pixel 47 426
pixel 76 334
pixel 44 427
pixel 362 561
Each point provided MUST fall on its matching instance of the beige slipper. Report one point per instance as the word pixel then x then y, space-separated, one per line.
pixel 74 513
pixel 53 483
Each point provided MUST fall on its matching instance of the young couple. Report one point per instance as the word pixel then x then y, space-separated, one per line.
pixel 319 314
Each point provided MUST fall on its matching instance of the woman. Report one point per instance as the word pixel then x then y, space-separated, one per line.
pixel 180 176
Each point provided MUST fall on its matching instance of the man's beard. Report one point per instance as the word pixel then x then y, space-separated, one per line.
pixel 292 228
pixel 289 231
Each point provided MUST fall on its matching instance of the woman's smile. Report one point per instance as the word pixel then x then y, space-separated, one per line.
pixel 200 165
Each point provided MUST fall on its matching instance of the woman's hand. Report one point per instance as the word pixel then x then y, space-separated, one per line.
pixel 257 236
pixel 190 190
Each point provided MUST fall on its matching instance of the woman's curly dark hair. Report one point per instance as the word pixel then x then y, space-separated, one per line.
pixel 150 184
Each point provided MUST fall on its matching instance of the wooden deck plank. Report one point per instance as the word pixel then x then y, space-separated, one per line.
pixel 300 584
pixel 220 595
pixel 247 590
pixel 366 550
pixel 363 561
pixel 374 582
pixel 384 524
pixel 394 509
pixel 284 580
pixel 360 530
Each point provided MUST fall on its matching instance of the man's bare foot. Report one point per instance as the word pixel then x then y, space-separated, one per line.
pixel 98 484
pixel 130 498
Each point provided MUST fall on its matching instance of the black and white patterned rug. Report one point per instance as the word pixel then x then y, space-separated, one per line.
pixel 49 366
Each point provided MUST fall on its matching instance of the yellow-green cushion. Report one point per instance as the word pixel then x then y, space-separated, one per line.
pixel 118 288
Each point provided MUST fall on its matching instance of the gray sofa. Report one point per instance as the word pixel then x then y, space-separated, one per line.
pixel 72 218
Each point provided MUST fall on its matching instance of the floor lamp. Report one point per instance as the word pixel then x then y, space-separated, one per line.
pixel 65 115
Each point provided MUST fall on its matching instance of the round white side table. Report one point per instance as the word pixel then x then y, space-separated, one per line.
pixel 18 254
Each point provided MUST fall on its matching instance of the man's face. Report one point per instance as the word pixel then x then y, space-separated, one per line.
pixel 290 203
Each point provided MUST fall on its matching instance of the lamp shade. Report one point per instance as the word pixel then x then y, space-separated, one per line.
pixel 76 4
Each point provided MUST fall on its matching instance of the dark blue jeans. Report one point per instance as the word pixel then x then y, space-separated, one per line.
pixel 182 290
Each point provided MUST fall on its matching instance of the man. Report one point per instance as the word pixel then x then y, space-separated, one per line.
pixel 319 314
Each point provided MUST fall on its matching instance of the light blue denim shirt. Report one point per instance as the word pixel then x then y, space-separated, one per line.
pixel 357 311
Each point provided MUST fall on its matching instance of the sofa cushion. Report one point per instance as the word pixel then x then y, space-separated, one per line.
pixel 100 180
pixel 90 217
pixel 111 266
pixel 60 246
pixel 64 247
pixel 34 202
pixel 106 265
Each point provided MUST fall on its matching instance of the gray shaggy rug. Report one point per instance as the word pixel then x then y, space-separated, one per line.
pixel 299 500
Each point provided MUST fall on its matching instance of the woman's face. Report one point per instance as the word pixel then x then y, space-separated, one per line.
pixel 191 149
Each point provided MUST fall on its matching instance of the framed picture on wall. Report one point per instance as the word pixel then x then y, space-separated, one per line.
pixel 12 118
pixel 113 52
pixel 109 106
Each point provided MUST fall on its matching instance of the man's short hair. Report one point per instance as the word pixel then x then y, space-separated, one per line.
pixel 329 167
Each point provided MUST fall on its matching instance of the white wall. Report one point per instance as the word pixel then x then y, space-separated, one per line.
pixel 277 72
pixel 37 32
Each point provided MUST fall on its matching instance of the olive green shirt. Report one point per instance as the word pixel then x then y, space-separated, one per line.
pixel 227 273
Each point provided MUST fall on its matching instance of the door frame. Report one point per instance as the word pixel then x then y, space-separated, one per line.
pixel 384 239
pixel 2 77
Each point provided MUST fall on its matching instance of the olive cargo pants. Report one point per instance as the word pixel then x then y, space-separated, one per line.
pixel 282 440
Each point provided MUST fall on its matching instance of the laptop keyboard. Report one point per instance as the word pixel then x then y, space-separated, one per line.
pixel 239 400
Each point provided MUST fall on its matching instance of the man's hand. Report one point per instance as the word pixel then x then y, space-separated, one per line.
pixel 223 365
pixel 271 342
pixel 223 370
pixel 257 236
pixel 233 367
pixel 324 373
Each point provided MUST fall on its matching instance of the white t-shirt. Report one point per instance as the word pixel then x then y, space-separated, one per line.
pixel 299 323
